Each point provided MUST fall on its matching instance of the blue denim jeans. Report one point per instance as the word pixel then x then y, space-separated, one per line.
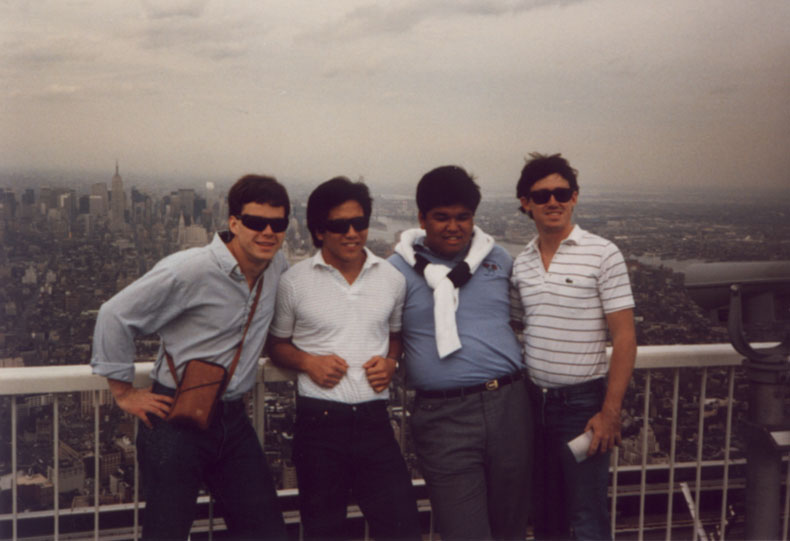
pixel 475 453
pixel 572 500
pixel 175 461
pixel 348 451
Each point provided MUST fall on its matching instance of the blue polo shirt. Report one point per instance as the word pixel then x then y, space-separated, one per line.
pixel 489 348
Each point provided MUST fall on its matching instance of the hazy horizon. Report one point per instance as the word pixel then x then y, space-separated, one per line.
pixel 645 95
pixel 82 180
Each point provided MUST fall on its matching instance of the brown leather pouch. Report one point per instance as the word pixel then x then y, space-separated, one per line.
pixel 199 390
pixel 203 383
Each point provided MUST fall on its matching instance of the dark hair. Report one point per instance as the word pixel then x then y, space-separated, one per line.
pixel 538 167
pixel 447 185
pixel 257 189
pixel 330 194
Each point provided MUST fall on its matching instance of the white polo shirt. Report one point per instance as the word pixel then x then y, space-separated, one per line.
pixel 323 314
pixel 565 307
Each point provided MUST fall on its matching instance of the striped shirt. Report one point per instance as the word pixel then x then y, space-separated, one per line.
pixel 565 307
pixel 323 314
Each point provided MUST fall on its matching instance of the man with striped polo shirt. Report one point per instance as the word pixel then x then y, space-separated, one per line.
pixel 573 285
pixel 337 321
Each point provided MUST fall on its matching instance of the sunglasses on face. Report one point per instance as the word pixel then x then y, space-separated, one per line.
pixel 342 226
pixel 541 197
pixel 259 223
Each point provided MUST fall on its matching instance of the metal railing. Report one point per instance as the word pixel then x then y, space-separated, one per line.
pixel 678 480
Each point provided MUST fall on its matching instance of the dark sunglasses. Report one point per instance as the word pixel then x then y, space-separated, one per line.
pixel 342 226
pixel 541 197
pixel 259 223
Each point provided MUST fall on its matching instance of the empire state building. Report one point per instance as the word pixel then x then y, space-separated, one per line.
pixel 117 200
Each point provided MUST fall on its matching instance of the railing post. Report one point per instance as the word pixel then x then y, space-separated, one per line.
pixel 55 469
pixel 767 370
pixel 763 458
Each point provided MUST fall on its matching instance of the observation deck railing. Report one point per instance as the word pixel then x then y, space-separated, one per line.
pixel 656 491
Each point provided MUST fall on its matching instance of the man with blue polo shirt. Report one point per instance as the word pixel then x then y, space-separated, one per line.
pixel 471 423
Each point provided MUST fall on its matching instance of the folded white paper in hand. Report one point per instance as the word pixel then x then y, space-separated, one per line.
pixel 580 444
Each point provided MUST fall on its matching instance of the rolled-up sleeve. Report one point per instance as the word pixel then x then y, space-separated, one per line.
pixel 396 318
pixel 284 318
pixel 141 308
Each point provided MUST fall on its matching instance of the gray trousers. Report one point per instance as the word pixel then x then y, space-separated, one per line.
pixel 475 453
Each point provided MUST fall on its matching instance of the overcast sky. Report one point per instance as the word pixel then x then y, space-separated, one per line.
pixel 638 93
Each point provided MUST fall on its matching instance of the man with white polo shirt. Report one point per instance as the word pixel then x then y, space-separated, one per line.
pixel 573 285
pixel 338 321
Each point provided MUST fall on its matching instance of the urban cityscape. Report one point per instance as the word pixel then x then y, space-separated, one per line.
pixel 66 248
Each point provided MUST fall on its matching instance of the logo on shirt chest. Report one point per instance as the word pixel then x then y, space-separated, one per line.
pixel 489 269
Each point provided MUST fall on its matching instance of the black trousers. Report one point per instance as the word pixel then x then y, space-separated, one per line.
pixel 175 461
pixel 344 451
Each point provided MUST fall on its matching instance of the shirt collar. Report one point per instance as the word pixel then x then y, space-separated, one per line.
pixel 574 237
pixel 370 259
pixel 222 255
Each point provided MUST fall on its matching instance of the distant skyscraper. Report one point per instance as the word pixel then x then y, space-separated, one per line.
pixel 84 205
pixel 98 205
pixel 29 197
pixel 67 202
pixel 118 200
pixel 8 203
pixel 186 199
pixel 46 199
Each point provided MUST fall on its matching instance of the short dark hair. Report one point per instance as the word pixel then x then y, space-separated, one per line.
pixel 538 167
pixel 447 185
pixel 330 194
pixel 257 189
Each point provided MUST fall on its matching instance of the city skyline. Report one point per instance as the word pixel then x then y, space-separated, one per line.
pixel 641 95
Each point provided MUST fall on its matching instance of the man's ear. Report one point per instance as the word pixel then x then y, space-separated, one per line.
pixel 421 219
pixel 233 224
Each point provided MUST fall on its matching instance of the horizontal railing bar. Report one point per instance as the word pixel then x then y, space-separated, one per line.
pixel 71 378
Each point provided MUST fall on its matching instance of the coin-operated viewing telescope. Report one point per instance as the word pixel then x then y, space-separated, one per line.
pixel 751 294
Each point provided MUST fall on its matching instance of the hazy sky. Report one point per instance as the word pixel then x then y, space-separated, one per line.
pixel 643 93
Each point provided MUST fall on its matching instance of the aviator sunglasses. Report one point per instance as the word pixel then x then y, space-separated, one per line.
pixel 541 197
pixel 342 226
pixel 259 223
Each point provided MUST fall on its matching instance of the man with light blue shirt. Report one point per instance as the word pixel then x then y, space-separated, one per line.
pixel 471 422
pixel 199 302
pixel 337 322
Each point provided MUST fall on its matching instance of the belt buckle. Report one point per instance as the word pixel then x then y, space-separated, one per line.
pixel 492 385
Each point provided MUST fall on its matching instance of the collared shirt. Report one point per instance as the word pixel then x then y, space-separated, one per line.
pixel 489 348
pixel 566 306
pixel 198 301
pixel 323 314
